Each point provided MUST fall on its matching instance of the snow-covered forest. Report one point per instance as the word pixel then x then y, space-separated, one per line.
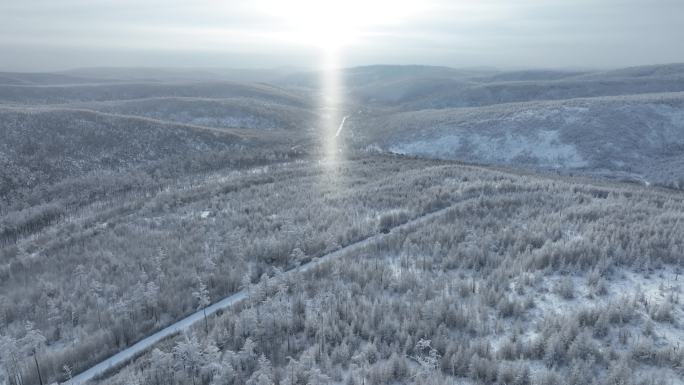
pixel 523 280
pixel 127 205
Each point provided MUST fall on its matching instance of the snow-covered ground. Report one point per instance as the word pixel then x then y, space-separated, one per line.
pixel 648 291
pixel 610 135
pixel 543 149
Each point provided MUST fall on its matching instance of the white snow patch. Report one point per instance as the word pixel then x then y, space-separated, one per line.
pixel 543 149
pixel 654 287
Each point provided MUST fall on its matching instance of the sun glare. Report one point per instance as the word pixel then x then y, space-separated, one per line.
pixel 331 105
pixel 331 26
pixel 335 23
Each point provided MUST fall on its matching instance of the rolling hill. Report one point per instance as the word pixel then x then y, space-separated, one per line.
pixel 81 152
pixel 122 200
pixel 437 89
pixel 236 112
pixel 625 136
pixel 58 94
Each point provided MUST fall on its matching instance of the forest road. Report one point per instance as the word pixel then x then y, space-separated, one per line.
pixel 130 353
pixel 339 129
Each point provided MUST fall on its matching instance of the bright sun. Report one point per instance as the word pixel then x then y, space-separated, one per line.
pixel 332 24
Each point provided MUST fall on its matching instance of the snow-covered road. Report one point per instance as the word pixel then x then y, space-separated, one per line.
pixel 141 346
pixel 339 129
pixel 131 352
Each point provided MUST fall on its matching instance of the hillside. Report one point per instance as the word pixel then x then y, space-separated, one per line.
pixel 38 78
pixel 571 287
pixel 53 143
pixel 626 136
pixel 436 91
pixel 169 74
pixel 223 226
pixel 414 87
pixel 128 206
pixel 58 94
pixel 82 152
pixel 237 112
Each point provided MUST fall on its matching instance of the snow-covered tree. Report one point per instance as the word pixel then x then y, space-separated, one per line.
pixel 34 342
pixel 202 297
pixel 10 359
pixel 427 358
pixel 264 373
pixel 188 356
pixel 152 297
pixel 297 256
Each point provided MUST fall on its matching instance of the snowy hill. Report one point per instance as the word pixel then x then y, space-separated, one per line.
pixel 45 146
pixel 624 135
pixel 439 91
pixel 57 94
pixel 236 112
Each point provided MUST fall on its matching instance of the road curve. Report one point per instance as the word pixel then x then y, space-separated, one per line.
pixel 138 348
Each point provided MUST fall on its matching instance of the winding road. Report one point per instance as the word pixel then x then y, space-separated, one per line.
pixel 141 346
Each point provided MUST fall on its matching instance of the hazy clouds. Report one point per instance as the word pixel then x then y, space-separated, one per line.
pixel 48 34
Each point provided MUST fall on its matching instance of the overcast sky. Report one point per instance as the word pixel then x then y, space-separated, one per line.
pixel 59 34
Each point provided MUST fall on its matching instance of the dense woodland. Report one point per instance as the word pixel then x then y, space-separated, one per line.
pixel 116 270
pixel 505 239
pixel 57 154
pixel 127 205
pixel 523 281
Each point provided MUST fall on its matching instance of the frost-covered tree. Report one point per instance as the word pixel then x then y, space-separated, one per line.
pixel 151 296
pixel 187 355
pixel 11 359
pixel 427 358
pixel 68 374
pixel 297 256
pixel 34 342
pixel 202 297
pixel 264 373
